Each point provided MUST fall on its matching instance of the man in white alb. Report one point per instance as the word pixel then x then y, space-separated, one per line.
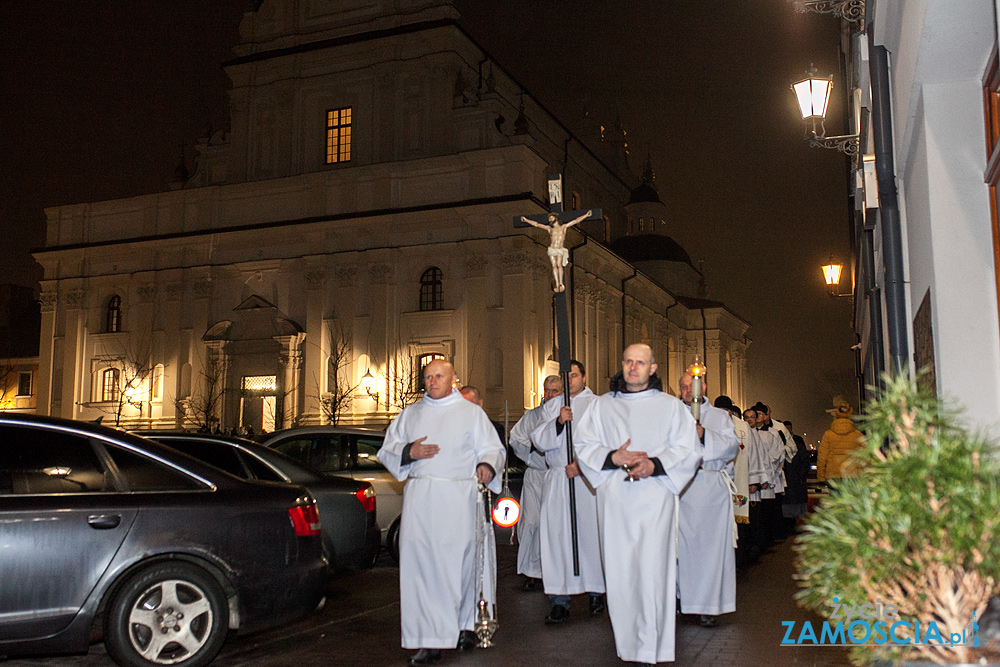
pixel 558 578
pixel 640 427
pixel 443 446
pixel 529 554
pixel 706 550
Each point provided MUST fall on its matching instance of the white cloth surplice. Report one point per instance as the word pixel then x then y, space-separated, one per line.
pixel 741 473
pixel 764 457
pixel 637 519
pixel 529 551
pixel 706 557
pixel 554 524
pixel 438 578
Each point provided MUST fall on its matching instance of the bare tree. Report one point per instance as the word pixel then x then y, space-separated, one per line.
pixel 8 383
pixel 124 389
pixel 340 390
pixel 205 402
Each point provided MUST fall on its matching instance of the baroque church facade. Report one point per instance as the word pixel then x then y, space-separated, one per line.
pixel 355 222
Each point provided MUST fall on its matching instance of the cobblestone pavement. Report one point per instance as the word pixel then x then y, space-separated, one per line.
pixel 359 627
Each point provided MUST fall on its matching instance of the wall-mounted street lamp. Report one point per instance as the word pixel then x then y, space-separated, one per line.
pixel 813 95
pixel 852 11
pixel 831 274
pixel 367 382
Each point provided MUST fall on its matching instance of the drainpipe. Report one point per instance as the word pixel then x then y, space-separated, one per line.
pixel 666 314
pixel 892 241
pixel 635 272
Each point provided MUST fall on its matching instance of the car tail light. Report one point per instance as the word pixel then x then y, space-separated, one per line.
pixel 366 495
pixel 305 519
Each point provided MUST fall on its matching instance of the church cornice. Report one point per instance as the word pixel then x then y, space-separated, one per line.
pixel 481 201
pixel 341 41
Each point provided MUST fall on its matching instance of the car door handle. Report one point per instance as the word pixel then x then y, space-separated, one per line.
pixel 104 521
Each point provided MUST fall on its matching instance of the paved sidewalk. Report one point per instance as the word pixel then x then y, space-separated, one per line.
pixel 360 627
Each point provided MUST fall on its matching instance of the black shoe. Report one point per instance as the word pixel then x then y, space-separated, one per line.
pixel 706 621
pixel 424 656
pixel 466 640
pixel 558 614
pixel 596 605
pixel 531 584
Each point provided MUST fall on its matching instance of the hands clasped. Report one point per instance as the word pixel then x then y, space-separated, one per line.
pixel 637 464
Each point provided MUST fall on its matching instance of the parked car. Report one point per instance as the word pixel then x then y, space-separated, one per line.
pixel 347 508
pixel 350 453
pixel 163 554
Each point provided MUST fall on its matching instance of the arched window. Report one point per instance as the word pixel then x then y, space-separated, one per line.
pixel 109 385
pixel 113 315
pixel 431 295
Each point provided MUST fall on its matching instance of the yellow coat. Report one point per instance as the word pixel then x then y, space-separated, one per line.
pixel 833 459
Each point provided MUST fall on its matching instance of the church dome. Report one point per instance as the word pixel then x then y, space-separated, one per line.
pixel 650 247
pixel 644 193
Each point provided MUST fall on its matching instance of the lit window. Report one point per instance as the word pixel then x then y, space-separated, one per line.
pixel 260 383
pixel 338 135
pixel 113 315
pixel 109 385
pixel 431 293
pixel 24 384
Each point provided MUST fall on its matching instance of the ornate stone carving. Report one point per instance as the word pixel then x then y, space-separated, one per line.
pixel 145 292
pixel 73 298
pixel 379 273
pixel 315 278
pixel 713 345
pixel 515 262
pixel 475 266
pixel 345 275
pixel 174 291
pixel 203 289
pixel 49 300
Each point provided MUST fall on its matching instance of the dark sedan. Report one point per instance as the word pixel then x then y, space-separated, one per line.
pixel 164 554
pixel 351 535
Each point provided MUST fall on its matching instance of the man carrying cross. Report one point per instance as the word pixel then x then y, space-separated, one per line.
pixel 558 254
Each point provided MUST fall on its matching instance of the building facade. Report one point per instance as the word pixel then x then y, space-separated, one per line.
pixel 354 223
pixel 924 79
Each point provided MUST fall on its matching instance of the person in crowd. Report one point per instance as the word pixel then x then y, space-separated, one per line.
pixel 639 448
pixel 529 553
pixel 796 500
pixel 442 446
pixel 834 461
pixel 558 575
pixel 706 549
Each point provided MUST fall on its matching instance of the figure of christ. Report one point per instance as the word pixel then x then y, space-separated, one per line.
pixel 558 254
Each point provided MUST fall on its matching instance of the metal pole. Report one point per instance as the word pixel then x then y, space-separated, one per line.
pixel 570 457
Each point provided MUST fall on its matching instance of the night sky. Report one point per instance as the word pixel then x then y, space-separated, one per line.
pixel 97 98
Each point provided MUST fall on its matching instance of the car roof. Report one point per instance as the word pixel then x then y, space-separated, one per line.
pixel 306 430
pixel 193 466
pixel 267 453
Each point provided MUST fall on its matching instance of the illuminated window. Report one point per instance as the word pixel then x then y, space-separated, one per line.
pixel 431 292
pixel 113 315
pixel 24 384
pixel 338 135
pixel 260 383
pixel 109 385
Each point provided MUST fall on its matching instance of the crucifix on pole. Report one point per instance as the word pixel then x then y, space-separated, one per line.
pixel 556 222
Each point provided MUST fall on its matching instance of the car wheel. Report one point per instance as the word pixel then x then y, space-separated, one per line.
pixel 392 540
pixel 169 614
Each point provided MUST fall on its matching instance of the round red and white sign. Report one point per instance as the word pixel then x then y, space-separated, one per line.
pixel 506 512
